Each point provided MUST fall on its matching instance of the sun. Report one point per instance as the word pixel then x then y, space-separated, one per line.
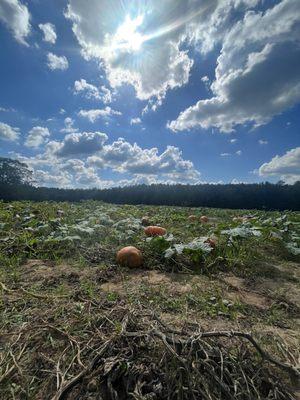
pixel 127 37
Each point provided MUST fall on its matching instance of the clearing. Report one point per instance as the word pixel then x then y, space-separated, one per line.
pixel 75 325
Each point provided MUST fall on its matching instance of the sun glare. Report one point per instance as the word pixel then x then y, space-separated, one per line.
pixel 127 37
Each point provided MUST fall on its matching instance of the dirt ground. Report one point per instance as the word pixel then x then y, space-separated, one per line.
pixel 256 298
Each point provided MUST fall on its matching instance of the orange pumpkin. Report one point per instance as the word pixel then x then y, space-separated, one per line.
pixel 192 217
pixel 130 257
pixel 204 219
pixel 155 231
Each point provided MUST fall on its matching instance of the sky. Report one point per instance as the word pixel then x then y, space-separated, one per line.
pixel 121 92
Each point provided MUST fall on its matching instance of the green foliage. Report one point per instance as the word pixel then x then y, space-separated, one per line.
pixel 83 231
pixel 13 172
pixel 195 255
pixel 159 244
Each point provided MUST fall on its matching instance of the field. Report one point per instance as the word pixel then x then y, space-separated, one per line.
pixel 76 325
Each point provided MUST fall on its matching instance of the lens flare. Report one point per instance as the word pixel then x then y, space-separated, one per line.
pixel 173 25
pixel 129 39
pixel 126 36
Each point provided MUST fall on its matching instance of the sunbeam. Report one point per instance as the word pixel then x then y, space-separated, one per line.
pixel 126 36
pixel 174 25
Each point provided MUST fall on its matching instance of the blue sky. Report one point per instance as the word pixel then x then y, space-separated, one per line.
pixel 98 94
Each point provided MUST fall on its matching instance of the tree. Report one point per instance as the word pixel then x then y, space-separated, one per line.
pixel 16 179
pixel 14 172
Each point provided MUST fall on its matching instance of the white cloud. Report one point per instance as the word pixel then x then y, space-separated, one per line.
pixel 51 171
pixel 9 133
pixel 69 126
pixel 257 73
pixel 84 176
pixel 85 143
pixel 37 136
pixel 90 90
pixel 57 62
pixel 3 109
pixel 262 142
pixel 106 95
pixel 16 17
pixel 93 92
pixel 235 182
pixel 143 45
pixel 52 178
pixel 225 154
pixel 49 32
pixel 124 157
pixel 238 153
pixel 233 140
pixel 62 111
pixel 79 158
pixel 287 167
pixel 94 114
pixel 105 31
pixel 135 121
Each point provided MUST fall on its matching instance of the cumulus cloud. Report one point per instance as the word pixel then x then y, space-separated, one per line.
pixel 94 114
pixel 69 126
pixel 49 170
pixel 93 92
pixel 83 175
pixel 287 167
pixel 106 94
pixel 257 74
pixel 135 121
pixel 147 45
pixel 79 144
pixel 37 136
pixel 9 133
pixel 80 158
pixel 105 31
pixel 49 32
pixel 52 178
pixel 57 62
pixel 15 15
pixel 125 157
pixel 262 142
pixel 90 90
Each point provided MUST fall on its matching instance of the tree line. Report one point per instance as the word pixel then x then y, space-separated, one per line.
pixel 265 195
